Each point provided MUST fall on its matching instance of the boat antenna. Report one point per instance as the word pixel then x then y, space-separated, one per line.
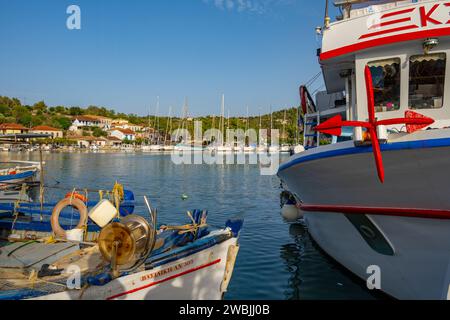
pixel 327 16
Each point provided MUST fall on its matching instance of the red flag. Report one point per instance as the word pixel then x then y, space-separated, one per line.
pixel 410 128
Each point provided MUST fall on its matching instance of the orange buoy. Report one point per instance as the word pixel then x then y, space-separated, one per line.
pixel 76 195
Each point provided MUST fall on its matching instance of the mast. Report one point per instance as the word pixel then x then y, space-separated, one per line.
pixel 271 120
pixel 248 121
pixel 149 125
pixel 284 126
pixel 223 119
pixel 168 126
pixel 260 119
pixel 271 124
pixel 157 120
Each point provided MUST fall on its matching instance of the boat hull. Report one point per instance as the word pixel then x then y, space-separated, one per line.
pixel 196 277
pixel 412 253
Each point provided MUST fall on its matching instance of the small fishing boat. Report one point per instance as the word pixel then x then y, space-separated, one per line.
pixel 130 258
pixel 184 147
pixel 152 148
pixel 169 148
pixel 250 149
pixel 14 173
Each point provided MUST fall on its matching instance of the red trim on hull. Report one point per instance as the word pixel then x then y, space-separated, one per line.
pixel 379 211
pixel 164 280
pixel 441 32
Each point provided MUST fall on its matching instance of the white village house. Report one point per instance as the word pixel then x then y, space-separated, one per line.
pixel 84 121
pixel 123 134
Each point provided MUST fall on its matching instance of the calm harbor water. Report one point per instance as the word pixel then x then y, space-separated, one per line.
pixel 277 260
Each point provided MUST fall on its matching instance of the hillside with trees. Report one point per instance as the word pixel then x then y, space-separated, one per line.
pixel 13 111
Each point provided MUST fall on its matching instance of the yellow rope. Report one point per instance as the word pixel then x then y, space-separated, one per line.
pixel 187 228
pixel 118 194
pixel 72 195
pixel 22 193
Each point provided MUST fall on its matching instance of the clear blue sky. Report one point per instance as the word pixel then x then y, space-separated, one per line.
pixel 127 53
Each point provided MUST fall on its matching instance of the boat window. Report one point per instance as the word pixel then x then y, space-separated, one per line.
pixel 386 84
pixel 426 81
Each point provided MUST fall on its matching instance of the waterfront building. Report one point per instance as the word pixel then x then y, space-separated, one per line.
pixel 84 121
pixel 123 134
pixel 13 128
pixel 52 132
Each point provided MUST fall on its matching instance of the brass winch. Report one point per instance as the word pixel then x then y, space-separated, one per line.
pixel 126 244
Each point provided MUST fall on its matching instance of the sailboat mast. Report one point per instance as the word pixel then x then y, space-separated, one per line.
pixel 169 119
pixel 248 121
pixel 284 125
pixel 223 119
pixel 157 119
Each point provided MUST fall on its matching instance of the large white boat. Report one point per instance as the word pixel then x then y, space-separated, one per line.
pixel 392 212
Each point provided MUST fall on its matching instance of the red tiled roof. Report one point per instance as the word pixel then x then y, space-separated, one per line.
pixel 44 128
pixel 99 117
pixel 85 118
pixel 125 131
pixel 113 139
pixel 12 126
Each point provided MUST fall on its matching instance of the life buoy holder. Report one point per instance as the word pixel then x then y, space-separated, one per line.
pixel 68 202
pixel 76 195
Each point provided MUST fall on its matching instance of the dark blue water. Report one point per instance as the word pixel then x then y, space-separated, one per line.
pixel 277 260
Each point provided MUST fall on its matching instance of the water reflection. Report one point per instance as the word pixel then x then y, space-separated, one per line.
pixel 314 275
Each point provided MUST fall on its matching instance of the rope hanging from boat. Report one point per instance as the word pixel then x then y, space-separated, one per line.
pixel 187 228
pixel 22 194
pixel 41 182
pixel 118 195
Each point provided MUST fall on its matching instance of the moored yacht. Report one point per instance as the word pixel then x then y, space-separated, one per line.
pixel 381 198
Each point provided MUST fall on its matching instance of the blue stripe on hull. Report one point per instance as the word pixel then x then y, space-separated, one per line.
pixel 420 144
pixel 23 175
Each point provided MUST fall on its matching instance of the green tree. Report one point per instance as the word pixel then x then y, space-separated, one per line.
pixel 76 111
pixel 40 107
pixel 97 132
pixel 62 123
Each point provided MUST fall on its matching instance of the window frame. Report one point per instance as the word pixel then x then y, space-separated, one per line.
pixel 408 75
pixel 400 75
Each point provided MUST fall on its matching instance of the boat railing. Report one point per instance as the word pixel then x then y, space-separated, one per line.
pixel 357 8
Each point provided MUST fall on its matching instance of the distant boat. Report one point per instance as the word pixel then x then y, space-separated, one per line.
pixel 17 173
pixel 250 149
pixel 168 148
pixel 225 149
pixel 262 149
pixel 285 149
pixel 273 148
pixel 188 148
